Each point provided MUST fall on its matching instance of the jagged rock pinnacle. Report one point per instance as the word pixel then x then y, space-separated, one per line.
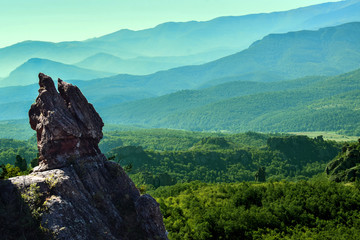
pixel 80 194
pixel 67 126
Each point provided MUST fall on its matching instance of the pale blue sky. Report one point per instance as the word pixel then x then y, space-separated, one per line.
pixel 63 20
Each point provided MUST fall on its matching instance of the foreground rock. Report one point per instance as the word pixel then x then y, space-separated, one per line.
pixel 75 192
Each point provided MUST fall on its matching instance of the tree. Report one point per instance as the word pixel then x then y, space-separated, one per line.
pixel 9 171
pixel 3 172
pixel 20 163
pixel 260 175
pixel 34 162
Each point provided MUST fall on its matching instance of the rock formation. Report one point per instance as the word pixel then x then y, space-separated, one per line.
pixel 67 126
pixel 75 192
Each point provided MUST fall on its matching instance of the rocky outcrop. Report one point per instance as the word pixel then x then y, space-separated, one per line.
pixel 346 166
pixel 75 193
pixel 67 126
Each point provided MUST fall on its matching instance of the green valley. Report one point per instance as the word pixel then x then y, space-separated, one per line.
pixel 204 127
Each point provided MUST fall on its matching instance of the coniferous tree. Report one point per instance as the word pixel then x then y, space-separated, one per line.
pixel 20 163
pixel 260 175
pixel 35 161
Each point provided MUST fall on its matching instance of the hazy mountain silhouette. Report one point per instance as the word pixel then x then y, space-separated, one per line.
pixel 24 74
pixel 328 51
pixel 223 35
pixel 143 65
pixel 283 56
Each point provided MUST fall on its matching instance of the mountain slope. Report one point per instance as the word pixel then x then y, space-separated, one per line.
pixel 255 77
pixel 15 101
pixel 328 51
pixel 142 65
pixel 161 107
pixel 338 113
pixel 321 104
pixel 66 52
pixel 24 74
pixel 235 32
pixel 225 35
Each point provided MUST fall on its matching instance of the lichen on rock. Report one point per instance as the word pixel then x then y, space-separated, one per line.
pixel 82 195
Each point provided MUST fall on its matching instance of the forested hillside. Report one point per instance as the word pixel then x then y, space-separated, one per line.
pixel 161 157
pixel 307 104
pixel 279 210
pixel 161 107
pixel 345 167
pixel 9 148
pixel 227 158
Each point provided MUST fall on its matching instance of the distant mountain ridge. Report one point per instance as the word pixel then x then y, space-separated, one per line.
pixel 225 35
pixel 141 65
pixel 230 31
pixel 328 51
pixel 283 56
pixel 24 74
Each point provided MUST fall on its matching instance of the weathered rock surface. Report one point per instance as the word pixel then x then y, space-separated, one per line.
pixel 75 192
pixel 346 166
pixel 67 126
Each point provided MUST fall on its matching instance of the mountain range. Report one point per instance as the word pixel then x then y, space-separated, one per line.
pixel 302 80
pixel 328 51
pixel 207 40
pixel 23 75
pixel 305 104
pixel 142 65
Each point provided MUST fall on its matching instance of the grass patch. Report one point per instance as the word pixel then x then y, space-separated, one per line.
pixel 328 136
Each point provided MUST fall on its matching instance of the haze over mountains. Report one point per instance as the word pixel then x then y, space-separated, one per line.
pixel 21 75
pixel 327 51
pixel 141 65
pixel 283 81
pixel 211 39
